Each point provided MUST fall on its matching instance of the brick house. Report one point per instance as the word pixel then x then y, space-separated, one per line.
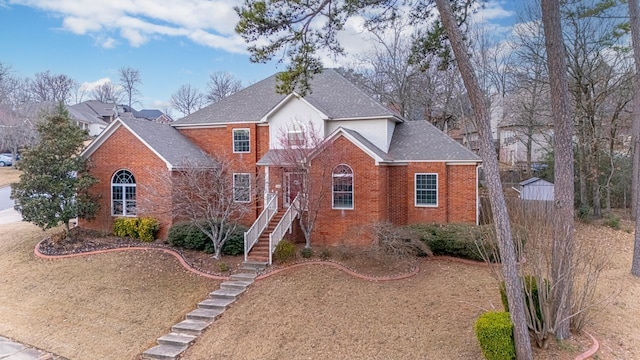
pixel 389 169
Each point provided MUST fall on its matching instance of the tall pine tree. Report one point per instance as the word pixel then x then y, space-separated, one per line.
pixel 53 185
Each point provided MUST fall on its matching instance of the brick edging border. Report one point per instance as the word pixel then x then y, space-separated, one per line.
pixel 181 260
pixel 591 351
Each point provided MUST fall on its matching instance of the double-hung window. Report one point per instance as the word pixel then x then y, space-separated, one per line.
pixel 426 186
pixel 241 187
pixel 241 141
pixel 342 187
pixel 123 194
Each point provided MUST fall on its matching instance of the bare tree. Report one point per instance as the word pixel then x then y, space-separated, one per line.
pixel 130 80
pixel 108 93
pixel 52 88
pixel 306 155
pixel 221 85
pixel 634 13
pixel 563 230
pixel 187 99
pixel 513 286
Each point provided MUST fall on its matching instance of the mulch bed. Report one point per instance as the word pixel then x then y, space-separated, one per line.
pixel 358 260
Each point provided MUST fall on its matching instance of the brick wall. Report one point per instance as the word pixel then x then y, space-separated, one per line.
pixel 152 191
pixel 462 185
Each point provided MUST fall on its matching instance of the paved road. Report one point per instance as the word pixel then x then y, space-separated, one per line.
pixel 5 200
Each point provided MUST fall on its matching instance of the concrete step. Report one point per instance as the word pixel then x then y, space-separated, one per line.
pixel 226 293
pixel 258 258
pixel 235 285
pixel 163 352
pixel 204 314
pixel 258 265
pixel 243 276
pixel 176 339
pixel 190 327
pixel 219 303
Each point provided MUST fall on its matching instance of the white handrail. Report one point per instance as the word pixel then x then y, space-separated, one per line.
pixel 285 224
pixel 251 236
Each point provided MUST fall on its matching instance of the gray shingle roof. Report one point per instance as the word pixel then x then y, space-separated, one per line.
pixel 384 156
pixel 421 141
pixel 331 93
pixel 174 147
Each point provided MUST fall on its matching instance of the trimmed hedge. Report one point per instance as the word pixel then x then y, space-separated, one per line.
pixel 144 228
pixel 458 240
pixel 494 332
pixel 188 236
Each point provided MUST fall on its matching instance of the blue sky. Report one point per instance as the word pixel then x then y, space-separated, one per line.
pixel 171 42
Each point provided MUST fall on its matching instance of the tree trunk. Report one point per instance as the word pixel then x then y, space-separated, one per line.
pixel 634 14
pixel 513 287
pixel 563 228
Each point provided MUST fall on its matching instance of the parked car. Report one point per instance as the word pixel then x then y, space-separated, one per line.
pixel 5 160
pixel 10 155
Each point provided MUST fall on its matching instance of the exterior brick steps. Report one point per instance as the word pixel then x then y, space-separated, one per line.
pixel 164 352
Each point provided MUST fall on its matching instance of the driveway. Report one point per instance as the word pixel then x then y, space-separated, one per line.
pixel 7 214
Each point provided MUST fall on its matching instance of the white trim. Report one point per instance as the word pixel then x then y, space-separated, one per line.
pixel 124 193
pixel 353 197
pixel 234 188
pixel 283 102
pixel 233 140
pixel 382 117
pixel 415 190
pixel 210 125
pixel 341 132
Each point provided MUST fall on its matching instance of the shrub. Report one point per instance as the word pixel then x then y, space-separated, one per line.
pixel 125 226
pixel 584 214
pixel 285 251
pixel 459 240
pixel 235 243
pixel 530 292
pixel 398 242
pixel 223 267
pixel 494 331
pixel 306 252
pixel 188 236
pixel 147 229
pixel 612 221
pixel 325 254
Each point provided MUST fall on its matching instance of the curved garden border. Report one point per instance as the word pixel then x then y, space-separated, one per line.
pixel 414 271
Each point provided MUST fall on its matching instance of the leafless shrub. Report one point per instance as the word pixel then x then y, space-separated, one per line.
pixel 397 242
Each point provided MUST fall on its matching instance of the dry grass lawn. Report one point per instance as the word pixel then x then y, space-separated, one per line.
pixel 8 175
pixel 110 306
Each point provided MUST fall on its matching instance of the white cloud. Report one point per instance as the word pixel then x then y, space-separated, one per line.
pixel 89 86
pixel 209 23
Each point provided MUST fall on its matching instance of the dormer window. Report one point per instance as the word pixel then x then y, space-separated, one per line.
pixel 295 135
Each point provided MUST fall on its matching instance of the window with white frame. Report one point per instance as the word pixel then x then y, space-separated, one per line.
pixel 123 194
pixel 241 187
pixel 342 187
pixel 296 135
pixel 426 189
pixel 241 141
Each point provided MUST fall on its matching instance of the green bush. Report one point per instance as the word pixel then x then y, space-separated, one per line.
pixel 612 221
pixel 458 240
pixel 223 267
pixel 325 254
pixel 285 251
pixel 147 229
pixel 584 214
pixel 494 331
pixel 306 252
pixel 125 226
pixel 188 236
pixel 144 228
pixel 531 287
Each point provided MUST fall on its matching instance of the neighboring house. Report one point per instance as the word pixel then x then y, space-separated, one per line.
pixel 391 170
pixel 536 189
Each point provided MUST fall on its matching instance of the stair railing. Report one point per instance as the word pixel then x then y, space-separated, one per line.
pixel 285 224
pixel 251 236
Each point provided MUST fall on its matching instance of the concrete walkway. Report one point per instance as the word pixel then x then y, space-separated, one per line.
pixel 9 216
pixel 10 350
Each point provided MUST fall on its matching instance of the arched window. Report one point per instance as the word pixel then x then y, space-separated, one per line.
pixel 123 194
pixel 296 135
pixel 342 187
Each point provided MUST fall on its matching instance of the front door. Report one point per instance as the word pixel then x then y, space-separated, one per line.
pixel 293 184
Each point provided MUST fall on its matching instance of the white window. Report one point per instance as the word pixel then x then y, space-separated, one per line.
pixel 426 189
pixel 342 187
pixel 241 187
pixel 296 135
pixel 123 194
pixel 241 141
